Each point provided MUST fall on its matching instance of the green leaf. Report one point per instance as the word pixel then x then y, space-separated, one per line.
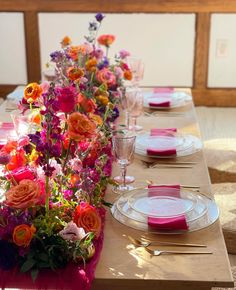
pixel 34 274
pixel 28 264
pixel 106 203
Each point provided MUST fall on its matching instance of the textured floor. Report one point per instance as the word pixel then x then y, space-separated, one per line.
pixel 217 123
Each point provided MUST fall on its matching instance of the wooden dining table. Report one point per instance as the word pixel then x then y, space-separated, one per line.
pixel 124 266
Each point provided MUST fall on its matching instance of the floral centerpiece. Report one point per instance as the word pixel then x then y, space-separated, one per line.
pixel 54 178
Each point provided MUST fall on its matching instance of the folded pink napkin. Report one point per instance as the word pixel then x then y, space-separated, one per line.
pixel 166 223
pixel 163 132
pixel 163 90
pixel 160 102
pixel 170 150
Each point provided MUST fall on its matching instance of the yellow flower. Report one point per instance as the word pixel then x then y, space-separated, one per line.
pixel 103 100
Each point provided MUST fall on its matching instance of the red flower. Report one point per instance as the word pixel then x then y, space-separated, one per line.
pixel 21 173
pixel 17 160
pixel 67 99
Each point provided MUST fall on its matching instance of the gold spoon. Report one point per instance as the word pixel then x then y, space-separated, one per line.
pixel 145 244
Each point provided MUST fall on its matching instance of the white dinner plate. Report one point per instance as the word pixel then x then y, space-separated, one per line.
pixel 177 99
pixel 185 144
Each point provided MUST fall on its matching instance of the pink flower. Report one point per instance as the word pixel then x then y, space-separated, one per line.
pixel 67 98
pixel 24 140
pixel 106 76
pixel 22 173
pixel 45 86
pixel 76 164
pixel 118 72
pixel 72 233
pixel 124 53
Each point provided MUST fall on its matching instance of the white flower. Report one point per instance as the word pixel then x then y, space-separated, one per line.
pixel 72 233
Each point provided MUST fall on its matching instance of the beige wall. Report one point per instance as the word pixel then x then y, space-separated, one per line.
pixel 164 41
pixel 12 49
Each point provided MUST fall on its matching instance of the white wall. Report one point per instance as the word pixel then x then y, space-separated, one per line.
pixel 165 42
pixel 222 57
pixel 12 49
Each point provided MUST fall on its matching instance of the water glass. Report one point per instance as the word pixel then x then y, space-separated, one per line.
pixel 123 150
pixel 136 65
pixel 134 103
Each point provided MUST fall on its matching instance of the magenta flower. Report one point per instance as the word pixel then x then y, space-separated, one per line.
pixel 67 98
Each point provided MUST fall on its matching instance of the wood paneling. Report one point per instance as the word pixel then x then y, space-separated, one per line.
pixel 201 50
pixel 6 89
pixel 214 97
pixel 150 6
pixel 32 46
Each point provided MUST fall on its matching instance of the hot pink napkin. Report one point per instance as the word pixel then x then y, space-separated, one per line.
pixel 163 132
pixel 163 90
pixel 171 151
pixel 160 103
pixel 164 223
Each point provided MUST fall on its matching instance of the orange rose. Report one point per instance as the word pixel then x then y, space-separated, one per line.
pixel 65 41
pixel 91 65
pixel 22 235
pixel 106 39
pixel 87 105
pixel 128 75
pixel 74 73
pixel 26 194
pixel 105 76
pixel 74 51
pixel 80 126
pixel 32 92
pixel 87 217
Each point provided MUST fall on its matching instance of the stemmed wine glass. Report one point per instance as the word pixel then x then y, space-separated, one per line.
pixel 136 65
pixel 134 103
pixel 123 148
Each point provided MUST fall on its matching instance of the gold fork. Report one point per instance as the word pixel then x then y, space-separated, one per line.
pixel 145 244
pixel 159 252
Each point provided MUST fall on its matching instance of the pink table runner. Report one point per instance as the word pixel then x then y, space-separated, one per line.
pixel 74 276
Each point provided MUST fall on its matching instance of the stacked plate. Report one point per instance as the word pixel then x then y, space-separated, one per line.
pixel 166 100
pixel 183 144
pixel 135 208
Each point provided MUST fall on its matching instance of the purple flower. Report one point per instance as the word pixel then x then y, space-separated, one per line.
pixel 99 17
pixel 8 255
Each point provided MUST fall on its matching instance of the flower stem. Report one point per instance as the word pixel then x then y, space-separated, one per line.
pixel 13 179
pixel 67 155
pixel 47 195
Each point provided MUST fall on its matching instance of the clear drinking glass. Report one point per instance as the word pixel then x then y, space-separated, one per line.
pixel 123 149
pixel 136 65
pixel 134 101
pixel 23 123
